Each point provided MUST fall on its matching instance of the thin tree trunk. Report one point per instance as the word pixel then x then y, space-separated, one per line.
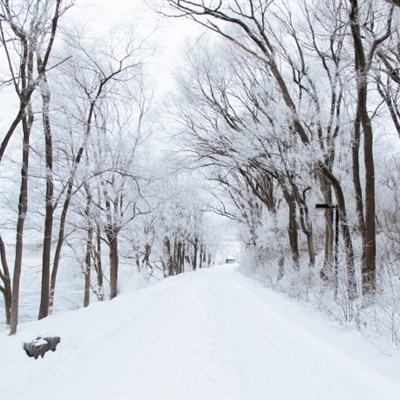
pixel 356 175
pixel 98 265
pixel 168 256
pixel 60 242
pixel 88 266
pixel 201 256
pixel 305 222
pixel 195 250
pixel 22 212
pixel 348 244
pixel 49 209
pixel 146 256
pixel 310 249
pixel 292 229
pixel 178 258
pixel 175 256
pixel 6 278
pixel 182 263
pixel 11 130
pixel 89 245
pixel 113 255
pixel 326 270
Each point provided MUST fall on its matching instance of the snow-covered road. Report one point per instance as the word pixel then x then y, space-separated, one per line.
pixel 212 334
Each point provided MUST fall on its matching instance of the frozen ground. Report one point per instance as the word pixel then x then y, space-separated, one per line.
pixel 212 334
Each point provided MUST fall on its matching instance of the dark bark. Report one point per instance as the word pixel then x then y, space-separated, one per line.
pixel 5 277
pixel 395 2
pixel 98 265
pixel 49 209
pixel 112 231
pixel 392 104
pixel 22 212
pixel 201 256
pixel 88 267
pixel 326 270
pixel 60 242
pixel 26 71
pixel 362 66
pixel 168 256
pixel 195 251
pixel 181 259
pixel 12 128
pixel 305 222
pixel 146 256
pixel 89 245
pixel 356 174
pixel 112 237
pixel 292 228
pixel 348 244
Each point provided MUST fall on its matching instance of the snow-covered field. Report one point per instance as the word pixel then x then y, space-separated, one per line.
pixel 211 334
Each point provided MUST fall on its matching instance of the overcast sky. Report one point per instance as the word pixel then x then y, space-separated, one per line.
pixel 168 36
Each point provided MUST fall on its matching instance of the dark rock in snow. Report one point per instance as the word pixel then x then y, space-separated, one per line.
pixel 41 345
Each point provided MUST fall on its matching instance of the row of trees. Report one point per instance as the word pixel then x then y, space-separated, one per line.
pixel 90 192
pixel 284 103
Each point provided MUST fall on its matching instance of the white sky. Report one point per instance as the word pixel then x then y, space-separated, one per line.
pixel 167 35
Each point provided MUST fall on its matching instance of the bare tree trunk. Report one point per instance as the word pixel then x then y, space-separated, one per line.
pixel 182 263
pixel 293 229
pixel 22 212
pixel 348 244
pixel 326 270
pixel 209 260
pixel 168 256
pixel 310 248
pixel 137 261
pixel 305 222
pixel 6 279
pixel 112 236
pixel 175 257
pixel 195 250
pixel 60 242
pixel 362 66
pixel 88 266
pixel 49 209
pixel 201 256
pixel 146 256
pixel 89 244
pixel 178 257
pixel 98 265
pixel 369 259
pixel 356 175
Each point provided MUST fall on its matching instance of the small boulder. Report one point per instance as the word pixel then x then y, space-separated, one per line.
pixel 41 345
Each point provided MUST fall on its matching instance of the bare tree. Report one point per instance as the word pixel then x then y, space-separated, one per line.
pixel 363 55
pixel 94 81
pixel 31 30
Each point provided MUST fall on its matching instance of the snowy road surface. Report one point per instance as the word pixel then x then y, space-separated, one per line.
pixel 212 334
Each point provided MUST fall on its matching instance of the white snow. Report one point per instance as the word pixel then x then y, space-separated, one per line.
pixel 39 341
pixel 211 334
